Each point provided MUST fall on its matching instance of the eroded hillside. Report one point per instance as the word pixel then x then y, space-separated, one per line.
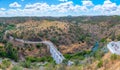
pixel 69 38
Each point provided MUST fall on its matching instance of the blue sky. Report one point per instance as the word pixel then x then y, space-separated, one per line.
pixel 10 8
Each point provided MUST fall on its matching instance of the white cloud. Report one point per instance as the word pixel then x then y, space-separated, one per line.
pixel 87 3
pixel 38 6
pixel 14 5
pixel 107 7
pixel 62 9
pixel 2 9
pixel 63 0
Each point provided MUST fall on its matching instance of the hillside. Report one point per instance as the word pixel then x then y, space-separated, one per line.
pixel 66 36
pixel 107 62
pixel 74 37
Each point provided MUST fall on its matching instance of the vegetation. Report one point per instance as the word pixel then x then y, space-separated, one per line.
pixel 113 57
pixel 79 55
pixel 5 64
pixel 73 36
pixel 26 64
pixel 100 64
pixel 41 59
pixel 9 52
pixel 16 67
pixel 98 54
pixel 39 45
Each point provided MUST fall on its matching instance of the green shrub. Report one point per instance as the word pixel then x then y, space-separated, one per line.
pixel 98 54
pixel 41 34
pixel 39 59
pixel 100 64
pixel 17 68
pixel 103 40
pixel 76 62
pixel 118 37
pixel 5 63
pixel 54 40
pixel 113 57
pixel 26 64
pixel 68 56
pixel 39 45
pixel 65 61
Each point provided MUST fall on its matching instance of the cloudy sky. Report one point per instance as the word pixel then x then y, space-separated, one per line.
pixel 10 8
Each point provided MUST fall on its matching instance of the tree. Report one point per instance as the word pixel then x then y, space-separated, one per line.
pixel 39 45
pixel 11 52
pixel 54 40
pixel 41 34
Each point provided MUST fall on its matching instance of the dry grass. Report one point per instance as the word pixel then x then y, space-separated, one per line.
pixel 1 44
pixel 102 30
pixel 73 48
pixel 37 26
pixel 108 64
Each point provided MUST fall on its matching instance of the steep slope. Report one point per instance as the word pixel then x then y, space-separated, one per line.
pixel 69 38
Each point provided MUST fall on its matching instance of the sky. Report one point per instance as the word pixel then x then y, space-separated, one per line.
pixel 10 8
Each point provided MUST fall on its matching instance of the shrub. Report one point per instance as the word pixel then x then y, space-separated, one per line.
pixel 65 61
pixel 17 68
pixel 39 45
pixel 98 54
pixel 39 59
pixel 113 57
pixel 61 67
pixel 118 37
pixel 26 64
pixel 103 40
pixel 67 56
pixel 41 34
pixel 30 58
pixel 2 51
pixel 100 64
pixel 5 64
pixel 76 62
pixel 54 40
pixel 11 52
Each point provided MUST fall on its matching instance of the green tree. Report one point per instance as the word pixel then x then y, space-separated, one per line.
pixel 54 40
pixel 11 52
pixel 39 45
